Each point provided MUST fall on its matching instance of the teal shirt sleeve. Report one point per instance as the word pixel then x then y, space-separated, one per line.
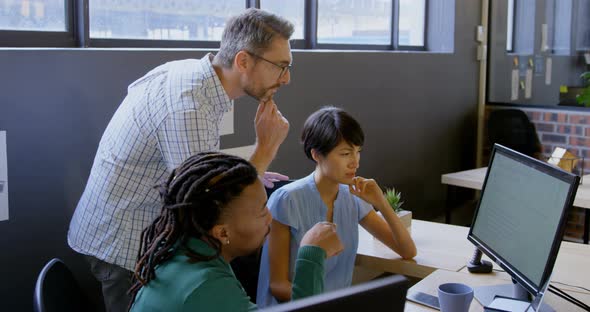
pixel 225 293
pixel 309 272
pixel 219 294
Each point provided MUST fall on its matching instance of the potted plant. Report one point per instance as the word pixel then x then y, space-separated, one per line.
pixel 394 200
pixel 584 97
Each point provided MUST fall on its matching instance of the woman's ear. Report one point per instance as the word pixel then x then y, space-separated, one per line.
pixel 315 155
pixel 221 233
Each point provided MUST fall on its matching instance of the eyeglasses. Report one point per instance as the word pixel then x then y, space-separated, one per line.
pixel 284 68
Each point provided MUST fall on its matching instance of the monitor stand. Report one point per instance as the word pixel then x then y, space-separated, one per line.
pixel 486 294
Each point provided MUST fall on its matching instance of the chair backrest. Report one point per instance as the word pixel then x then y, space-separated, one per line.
pixel 57 290
pixel 512 128
pixel 247 268
pixel 276 186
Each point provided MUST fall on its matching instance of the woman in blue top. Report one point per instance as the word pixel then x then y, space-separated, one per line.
pixel 333 193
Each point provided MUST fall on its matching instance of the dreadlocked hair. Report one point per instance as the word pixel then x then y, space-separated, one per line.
pixel 194 197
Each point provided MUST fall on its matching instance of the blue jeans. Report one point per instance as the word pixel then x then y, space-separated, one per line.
pixel 115 281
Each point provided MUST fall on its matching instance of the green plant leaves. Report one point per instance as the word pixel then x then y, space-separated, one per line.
pixel 394 199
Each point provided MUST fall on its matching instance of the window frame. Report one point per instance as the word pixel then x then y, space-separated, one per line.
pixel 295 43
pixel 396 29
pixel 39 38
pixel 511 50
pixel 144 43
pixel 78 29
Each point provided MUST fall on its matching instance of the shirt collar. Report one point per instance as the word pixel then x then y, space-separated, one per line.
pixel 217 94
pixel 200 246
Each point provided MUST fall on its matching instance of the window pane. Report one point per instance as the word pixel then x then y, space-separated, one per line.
pixel 510 26
pixel 33 15
pixel 524 27
pixel 411 22
pixel 563 27
pixel 583 25
pixel 161 20
pixel 354 21
pixel 292 10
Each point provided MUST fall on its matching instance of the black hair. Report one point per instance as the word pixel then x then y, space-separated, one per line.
pixel 327 127
pixel 194 198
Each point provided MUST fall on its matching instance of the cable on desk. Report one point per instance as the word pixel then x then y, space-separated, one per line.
pixel 574 286
pixel 568 297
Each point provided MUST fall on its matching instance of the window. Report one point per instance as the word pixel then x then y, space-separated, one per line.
pixel 292 10
pixel 412 17
pixel 562 36
pixel 510 26
pixel 524 27
pixel 33 15
pixel 332 24
pixel 354 22
pixel 583 26
pixel 201 20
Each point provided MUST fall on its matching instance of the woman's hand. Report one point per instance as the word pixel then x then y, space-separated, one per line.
pixel 368 190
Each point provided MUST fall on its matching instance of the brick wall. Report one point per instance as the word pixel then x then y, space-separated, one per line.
pixel 559 128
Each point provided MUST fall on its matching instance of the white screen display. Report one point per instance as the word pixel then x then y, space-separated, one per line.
pixel 519 214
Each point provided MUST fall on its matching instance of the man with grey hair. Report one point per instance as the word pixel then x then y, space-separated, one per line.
pixel 171 113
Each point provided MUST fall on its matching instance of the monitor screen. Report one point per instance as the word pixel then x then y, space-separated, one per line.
pixel 520 218
pixel 384 294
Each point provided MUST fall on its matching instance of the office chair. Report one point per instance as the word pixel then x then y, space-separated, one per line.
pixel 513 129
pixel 57 290
pixel 247 268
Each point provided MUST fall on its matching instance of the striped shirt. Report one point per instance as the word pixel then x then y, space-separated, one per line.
pixel 171 113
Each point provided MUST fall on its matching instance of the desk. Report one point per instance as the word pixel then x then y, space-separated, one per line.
pixel 440 246
pixel 445 246
pixel 429 285
pixel 474 178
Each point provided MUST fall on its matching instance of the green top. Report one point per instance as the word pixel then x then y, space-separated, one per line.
pixel 212 286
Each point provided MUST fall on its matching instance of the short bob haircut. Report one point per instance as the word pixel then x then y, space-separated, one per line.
pixel 326 128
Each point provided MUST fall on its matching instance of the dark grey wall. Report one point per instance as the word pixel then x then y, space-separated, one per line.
pixel 418 111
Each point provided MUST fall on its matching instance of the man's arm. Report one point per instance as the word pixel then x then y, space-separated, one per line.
pixel 309 272
pixel 319 243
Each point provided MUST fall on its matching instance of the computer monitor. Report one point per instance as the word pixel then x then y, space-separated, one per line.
pixel 384 294
pixel 520 219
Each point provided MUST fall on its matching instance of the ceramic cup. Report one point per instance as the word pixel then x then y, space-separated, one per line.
pixel 454 297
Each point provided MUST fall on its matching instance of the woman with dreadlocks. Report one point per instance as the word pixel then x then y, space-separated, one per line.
pixel 214 209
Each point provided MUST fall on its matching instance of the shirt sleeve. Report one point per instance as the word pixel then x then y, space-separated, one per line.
pixel 219 294
pixel 282 208
pixel 184 133
pixel 225 293
pixel 309 272
pixel 363 208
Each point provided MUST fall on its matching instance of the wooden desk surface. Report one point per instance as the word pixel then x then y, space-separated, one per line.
pixel 440 246
pixel 571 267
pixel 444 246
pixel 429 285
pixel 473 179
